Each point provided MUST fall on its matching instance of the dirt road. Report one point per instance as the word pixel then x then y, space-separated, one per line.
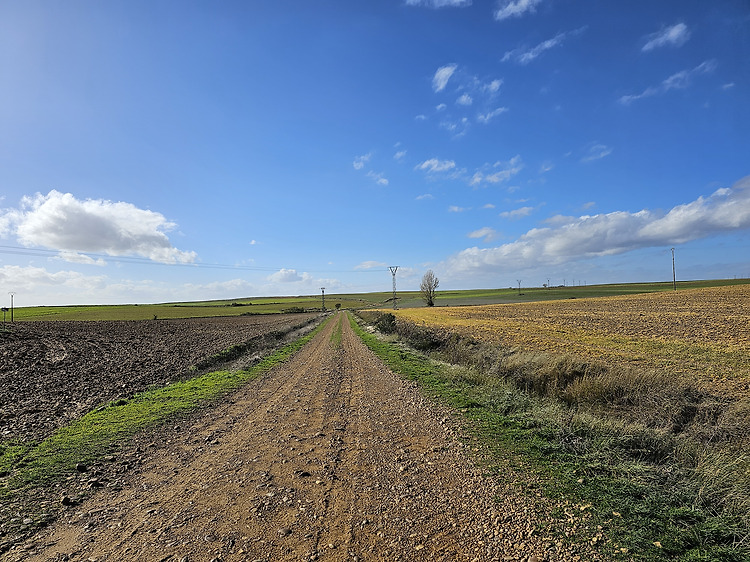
pixel 328 457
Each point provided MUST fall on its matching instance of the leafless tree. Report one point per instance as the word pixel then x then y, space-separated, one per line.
pixel 429 287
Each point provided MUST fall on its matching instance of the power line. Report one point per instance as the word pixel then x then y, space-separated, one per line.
pixel 16 250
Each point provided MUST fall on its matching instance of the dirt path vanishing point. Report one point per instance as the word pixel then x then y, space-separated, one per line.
pixel 330 456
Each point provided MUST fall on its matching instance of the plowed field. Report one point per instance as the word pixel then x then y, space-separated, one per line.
pixel 53 372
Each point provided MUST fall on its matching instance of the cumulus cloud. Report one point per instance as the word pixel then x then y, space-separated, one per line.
pixel 433 165
pixel 72 226
pixel 486 233
pixel 678 81
pixel 515 8
pixel 723 211
pixel 436 4
pixel 442 75
pixel 672 36
pixel 465 99
pixel 288 276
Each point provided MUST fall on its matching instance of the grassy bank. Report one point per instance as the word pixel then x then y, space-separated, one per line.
pixel 652 493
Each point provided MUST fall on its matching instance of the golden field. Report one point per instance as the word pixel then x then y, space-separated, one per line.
pixel 698 332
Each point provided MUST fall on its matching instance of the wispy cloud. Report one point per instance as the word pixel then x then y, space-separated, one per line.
pixel 424 197
pixel 490 115
pixel 672 36
pixel 498 172
pixel 457 209
pixel 441 77
pixel 677 81
pixel 399 155
pixel 465 99
pixel 371 264
pixel 723 211
pixel 360 161
pixel 487 233
pixel 597 151
pixel 379 178
pixel 525 55
pixel 437 4
pixel 62 222
pixel 515 8
pixel 433 165
pixel 517 213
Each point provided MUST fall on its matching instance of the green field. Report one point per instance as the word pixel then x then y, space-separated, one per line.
pixel 356 301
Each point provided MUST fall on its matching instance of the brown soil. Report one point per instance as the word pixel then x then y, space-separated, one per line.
pixel 330 456
pixel 53 372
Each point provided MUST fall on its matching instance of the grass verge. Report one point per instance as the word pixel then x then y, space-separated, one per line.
pixel 639 503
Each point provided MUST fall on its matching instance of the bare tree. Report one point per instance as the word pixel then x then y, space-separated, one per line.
pixel 429 287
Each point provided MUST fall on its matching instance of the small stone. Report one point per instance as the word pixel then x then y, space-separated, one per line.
pixel 285 531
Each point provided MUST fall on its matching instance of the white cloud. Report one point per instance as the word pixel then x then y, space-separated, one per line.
pixel 371 264
pixel 288 276
pixel 679 80
pixel 546 167
pixel 61 222
pixel 515 8
pixel 433 165
pixel 442 75
pixel 465 99
pixel 457 209
pixel 517 213
pixel 360 161
pixel 498 172
pixel 525 55
pixel 424 197
pixel 728 86
pixel 597 152
pixel 493 87
pixel 75 257
pixel 399 155
pixel 378 177
pixel 441 107
pixel 486 233
pixel 613 233
pixel 436 4
pixel 487 117
pixel 488 206
pixel 673 36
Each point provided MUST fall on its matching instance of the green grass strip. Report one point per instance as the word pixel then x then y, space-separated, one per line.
pixel 100 431
pixel 645 512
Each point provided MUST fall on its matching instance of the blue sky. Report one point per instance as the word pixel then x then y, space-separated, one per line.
pixel 179 150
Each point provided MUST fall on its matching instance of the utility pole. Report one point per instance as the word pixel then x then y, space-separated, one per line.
pixel 394 269
pixel 323 291
pixel 674 275
pixel 11 293
pixel 519 287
